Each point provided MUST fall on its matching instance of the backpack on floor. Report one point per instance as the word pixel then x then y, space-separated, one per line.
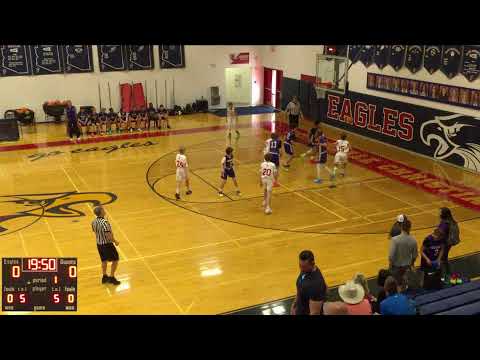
pixel 453 234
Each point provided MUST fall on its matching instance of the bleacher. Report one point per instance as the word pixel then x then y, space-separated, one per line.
pixel 457 300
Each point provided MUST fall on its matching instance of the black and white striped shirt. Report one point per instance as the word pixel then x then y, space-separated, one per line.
pixel 101 227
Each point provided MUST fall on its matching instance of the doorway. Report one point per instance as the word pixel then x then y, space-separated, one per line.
pixel 272 91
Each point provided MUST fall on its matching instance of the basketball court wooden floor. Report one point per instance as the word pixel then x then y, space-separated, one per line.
pixel 205 254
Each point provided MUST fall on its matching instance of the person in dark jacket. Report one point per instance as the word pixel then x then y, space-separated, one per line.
pixel 446 221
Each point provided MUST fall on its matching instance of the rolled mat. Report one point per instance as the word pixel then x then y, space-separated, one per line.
pixel 126 97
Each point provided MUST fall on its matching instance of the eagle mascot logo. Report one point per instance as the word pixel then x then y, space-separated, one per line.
pixel 20 211
pixel 454 136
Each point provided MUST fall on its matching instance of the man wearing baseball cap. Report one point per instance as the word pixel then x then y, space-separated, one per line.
pixel 397 226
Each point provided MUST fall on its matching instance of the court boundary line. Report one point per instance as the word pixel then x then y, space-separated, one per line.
pixel 357 163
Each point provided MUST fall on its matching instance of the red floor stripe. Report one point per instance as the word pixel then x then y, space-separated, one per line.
pixel 117 137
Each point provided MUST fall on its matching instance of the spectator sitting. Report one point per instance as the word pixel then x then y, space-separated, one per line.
pixel 335 308
pixel 362 281
pixel 397 226
pixel 396 303
pixel 353 296
pixel 383 274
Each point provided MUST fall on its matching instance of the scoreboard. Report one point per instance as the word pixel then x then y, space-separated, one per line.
pixel 39 284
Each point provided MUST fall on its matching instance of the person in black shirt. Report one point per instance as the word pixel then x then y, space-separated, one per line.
pixel 311 287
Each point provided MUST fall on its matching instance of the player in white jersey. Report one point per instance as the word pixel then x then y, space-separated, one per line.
pixel 231 120
pixel 182 172
pixel 268 173
pixel 341 158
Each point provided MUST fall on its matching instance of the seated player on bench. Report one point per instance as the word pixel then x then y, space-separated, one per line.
pixel 132 121
pixel 83 122
pixel 152 117
pixel 163 115
pixel 142 121
pixel 123 122
pixel 92 128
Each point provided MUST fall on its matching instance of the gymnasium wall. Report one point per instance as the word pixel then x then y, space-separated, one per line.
pixel 294 60
pixel 357 78
pixel 205 67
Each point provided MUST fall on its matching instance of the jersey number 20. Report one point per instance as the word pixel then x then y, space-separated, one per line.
pixel 267 172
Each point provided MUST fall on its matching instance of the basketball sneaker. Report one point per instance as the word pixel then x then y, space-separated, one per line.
pixel 177 196
pixel 317 181
pixel 105 279
pixel 189 192
pixel 268 211
pixel 239 193
pixel 220 193
pixel 113 281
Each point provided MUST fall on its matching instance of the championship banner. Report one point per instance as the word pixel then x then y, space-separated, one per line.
pixel 451 60
pixel 446 94
pixel 140 57
pixel 432 59
pixel 111 58
pixel 366 55
pixel 380 56
pixel 397 56
pixel 15 60
pixel 172 56
pixel 46 59
pixel 241 58
pixel 353 51
pixel 471 62
pixel 414 59
pixel 441 135
pixel 78 58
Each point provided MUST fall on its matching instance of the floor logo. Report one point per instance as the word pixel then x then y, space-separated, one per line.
pixel 20 211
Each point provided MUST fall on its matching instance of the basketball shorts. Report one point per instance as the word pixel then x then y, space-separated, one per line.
pixel 226 173
pixel 288 148
pixel 293 120
pixel 181 175
pixel 275 159
pixel 108 252
pixel 231 124
pixel 341 158
pixel 267 183
pixel 323 159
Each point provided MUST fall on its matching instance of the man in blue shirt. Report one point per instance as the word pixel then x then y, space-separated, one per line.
pixel 396 303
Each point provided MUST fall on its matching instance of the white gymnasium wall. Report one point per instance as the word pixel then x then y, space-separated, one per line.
pixel 205 67
pixel 357 78
pixel 294 60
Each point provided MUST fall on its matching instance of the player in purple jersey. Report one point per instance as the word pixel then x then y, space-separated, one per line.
pixel 227 171
pixel 274 148
pixel 322 155
pixel 288 146
pixel 312 139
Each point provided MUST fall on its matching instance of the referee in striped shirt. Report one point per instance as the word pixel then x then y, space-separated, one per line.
pixel 105 241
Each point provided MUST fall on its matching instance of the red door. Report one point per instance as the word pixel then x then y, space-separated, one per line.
pixel 278 90
pixel 267 86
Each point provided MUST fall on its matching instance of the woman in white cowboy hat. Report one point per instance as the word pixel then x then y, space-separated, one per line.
pixel 353 296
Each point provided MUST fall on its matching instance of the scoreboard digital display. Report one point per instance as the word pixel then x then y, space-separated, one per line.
pixel 39 284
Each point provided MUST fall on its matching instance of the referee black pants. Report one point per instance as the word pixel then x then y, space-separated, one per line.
pixel 293 120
